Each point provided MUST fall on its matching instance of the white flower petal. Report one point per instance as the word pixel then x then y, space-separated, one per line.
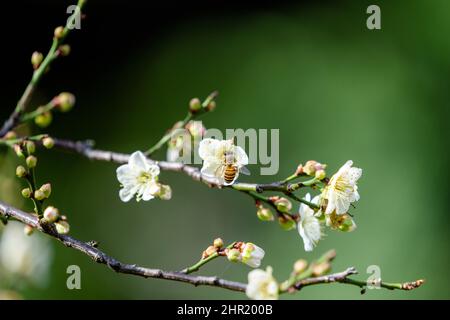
pixel 310 232
pixel 208 147
pixel 240 156
pixel 127 193
pixel 211 169
pixel 126 175
pixel 138 161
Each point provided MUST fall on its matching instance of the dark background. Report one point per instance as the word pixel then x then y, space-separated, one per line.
pixel 335 89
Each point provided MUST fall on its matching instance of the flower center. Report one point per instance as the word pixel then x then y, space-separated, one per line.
pixel 144 177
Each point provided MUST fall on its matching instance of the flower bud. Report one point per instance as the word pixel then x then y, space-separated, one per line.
pixel 31 147
pixel 43 120
pixel 59 32
pixel 320 174
pixel 283 205
pixel 21 171
pixel 64 50
pixel 51 214
pixel 286 224
pixel 18 150
pixel 195 105
pixel 312 166
pixel 165 192
pixel 299 170
pixel 31 161
pixel 211 106
pixel 46 189
pixel 300 266
pixel 26 193
pixel 39 195
pixel 196 129
pixel 218 243
pixel 252 255
pixel 264 214
pixel 210 250
pixel 48 142
pixel 62 227
pixel 10 135
pixel 28 230
pixel 233 255
pixel 36 59
pixel 321 268
pixel 65 101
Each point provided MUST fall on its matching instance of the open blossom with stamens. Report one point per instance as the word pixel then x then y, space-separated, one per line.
pixel 215 153
pixel 342 190
pixel 262 285
pixel 309 226
pixel 139 178
pixel 252 255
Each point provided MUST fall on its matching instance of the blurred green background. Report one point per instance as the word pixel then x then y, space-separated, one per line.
pixel 336 91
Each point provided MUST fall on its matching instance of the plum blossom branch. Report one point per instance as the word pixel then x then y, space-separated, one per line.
pixel 102 258
pixel 85 148
pixel 41 65
pixel 99 256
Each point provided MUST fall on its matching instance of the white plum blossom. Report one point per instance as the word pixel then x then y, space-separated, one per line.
pixel 217 154
pixel 309 225
pixel 342 190
pixel 28 257
pixel 139 178
pixel 252 255
pixel 262 285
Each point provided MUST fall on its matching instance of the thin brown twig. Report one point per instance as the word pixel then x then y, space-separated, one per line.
pixel 102 258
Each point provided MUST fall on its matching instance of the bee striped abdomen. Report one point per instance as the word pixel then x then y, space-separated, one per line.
pixel 230 173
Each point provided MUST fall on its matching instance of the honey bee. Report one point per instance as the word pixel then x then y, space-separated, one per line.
pixel 229 170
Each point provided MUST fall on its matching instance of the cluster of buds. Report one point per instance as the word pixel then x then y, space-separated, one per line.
pixel 52 215
pixel 40 194
pixel 283 207
pixel 64 102
pixel 245 252
pixel 209 104
pixel 312 168
pixel 216 247
pixel 26 149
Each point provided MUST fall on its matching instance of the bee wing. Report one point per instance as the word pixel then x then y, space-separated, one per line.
pixel 244 170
